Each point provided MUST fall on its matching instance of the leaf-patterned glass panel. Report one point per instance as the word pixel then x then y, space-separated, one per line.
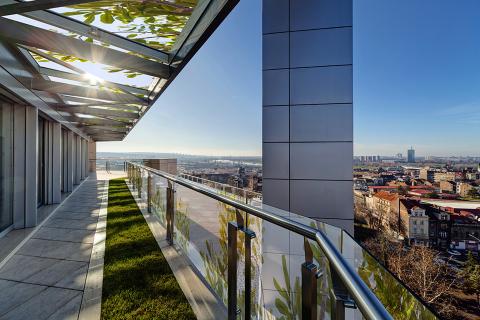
pixel 155 23
pixel 201 234
pixel 159 198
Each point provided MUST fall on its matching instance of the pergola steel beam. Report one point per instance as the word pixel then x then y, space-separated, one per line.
pixel 22 7
pixel 92 128
pixel 93 121
pixel 107 136
pixel 53 59
pixel 103 135
pixel 48 40
pixel 89 92
pixel 12 85
pixel 81 28
pixel 106 133
pixel 81 78
pixel 100 112
pixel 97 102
pixel 119 138
pixel 111 106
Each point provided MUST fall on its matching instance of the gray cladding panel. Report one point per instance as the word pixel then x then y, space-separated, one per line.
pixel 308 108
pixel 314 14
pixel 331 122
pixel 275 124
pixel 326 161
pixel 321 85
pixel 275 87
pixel 275 51
pixel 323 199
pixel 275 160
pixel 346 224
pixel 321 47
pixel 275 193
pixel 275 16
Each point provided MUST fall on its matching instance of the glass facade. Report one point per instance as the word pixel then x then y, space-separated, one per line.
pixel 6 166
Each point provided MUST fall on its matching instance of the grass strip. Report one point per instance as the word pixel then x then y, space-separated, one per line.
pixel 138 282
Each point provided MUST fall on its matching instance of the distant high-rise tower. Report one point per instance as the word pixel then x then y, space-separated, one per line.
pixel 411 155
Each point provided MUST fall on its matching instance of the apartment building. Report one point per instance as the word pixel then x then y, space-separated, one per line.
pixel 418 232
pixel 427 174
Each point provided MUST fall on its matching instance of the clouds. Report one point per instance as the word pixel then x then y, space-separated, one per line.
pixel 467 113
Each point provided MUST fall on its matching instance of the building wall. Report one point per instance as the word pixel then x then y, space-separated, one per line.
pixel 92 155
pixel 444 176
pixel 418 228
pixel 428 175
pixel 447 186
pixel 307 108
pixel 57 168
pixel 464 189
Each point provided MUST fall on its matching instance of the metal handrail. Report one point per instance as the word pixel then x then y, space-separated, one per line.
pixel 365 299
pixel 206 181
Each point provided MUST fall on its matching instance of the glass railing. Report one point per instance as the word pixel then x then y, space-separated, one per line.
pixel 266 263
pixel 113 164
pixel 241 194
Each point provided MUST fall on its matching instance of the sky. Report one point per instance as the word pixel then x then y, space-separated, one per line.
pixel 416 83
pixel 214 106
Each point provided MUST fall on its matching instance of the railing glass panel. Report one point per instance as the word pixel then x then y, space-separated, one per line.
pixel 201 234
pixel 159 198
pixel 286 270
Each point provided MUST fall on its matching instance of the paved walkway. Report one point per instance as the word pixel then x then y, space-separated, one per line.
pixel 61 264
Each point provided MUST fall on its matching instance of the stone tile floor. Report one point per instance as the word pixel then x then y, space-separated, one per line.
pixel 45 278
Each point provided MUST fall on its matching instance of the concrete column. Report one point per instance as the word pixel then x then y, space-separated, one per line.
pixel 78 160
pixel 65 160
pixel 49 163
pixel 92 155
pixel 83 157
pixel 307 108
pixel 31 163
pixel 70 161
pixel 56 162
pixel 19 167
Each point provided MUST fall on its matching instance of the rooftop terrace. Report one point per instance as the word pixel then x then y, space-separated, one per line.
pixel 73 73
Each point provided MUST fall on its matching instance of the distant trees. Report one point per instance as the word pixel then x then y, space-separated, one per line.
pixel 433 195
pixel 403 190
pixel 367 215
pixel 420 268
pixel 473 193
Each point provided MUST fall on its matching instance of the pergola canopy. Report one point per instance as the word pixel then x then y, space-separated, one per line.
pixel 101 65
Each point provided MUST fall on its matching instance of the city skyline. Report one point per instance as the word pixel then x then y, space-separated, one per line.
pixel 402 94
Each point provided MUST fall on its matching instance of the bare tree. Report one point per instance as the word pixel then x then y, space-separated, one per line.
pixel 420 268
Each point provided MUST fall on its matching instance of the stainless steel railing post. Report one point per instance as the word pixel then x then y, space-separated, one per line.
pixel 170 212
pixel 310 275
pixel 233 228
pixel 139 182
pixel 232 271
pixel 339 297
pixel 149 193
pixel 249 235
